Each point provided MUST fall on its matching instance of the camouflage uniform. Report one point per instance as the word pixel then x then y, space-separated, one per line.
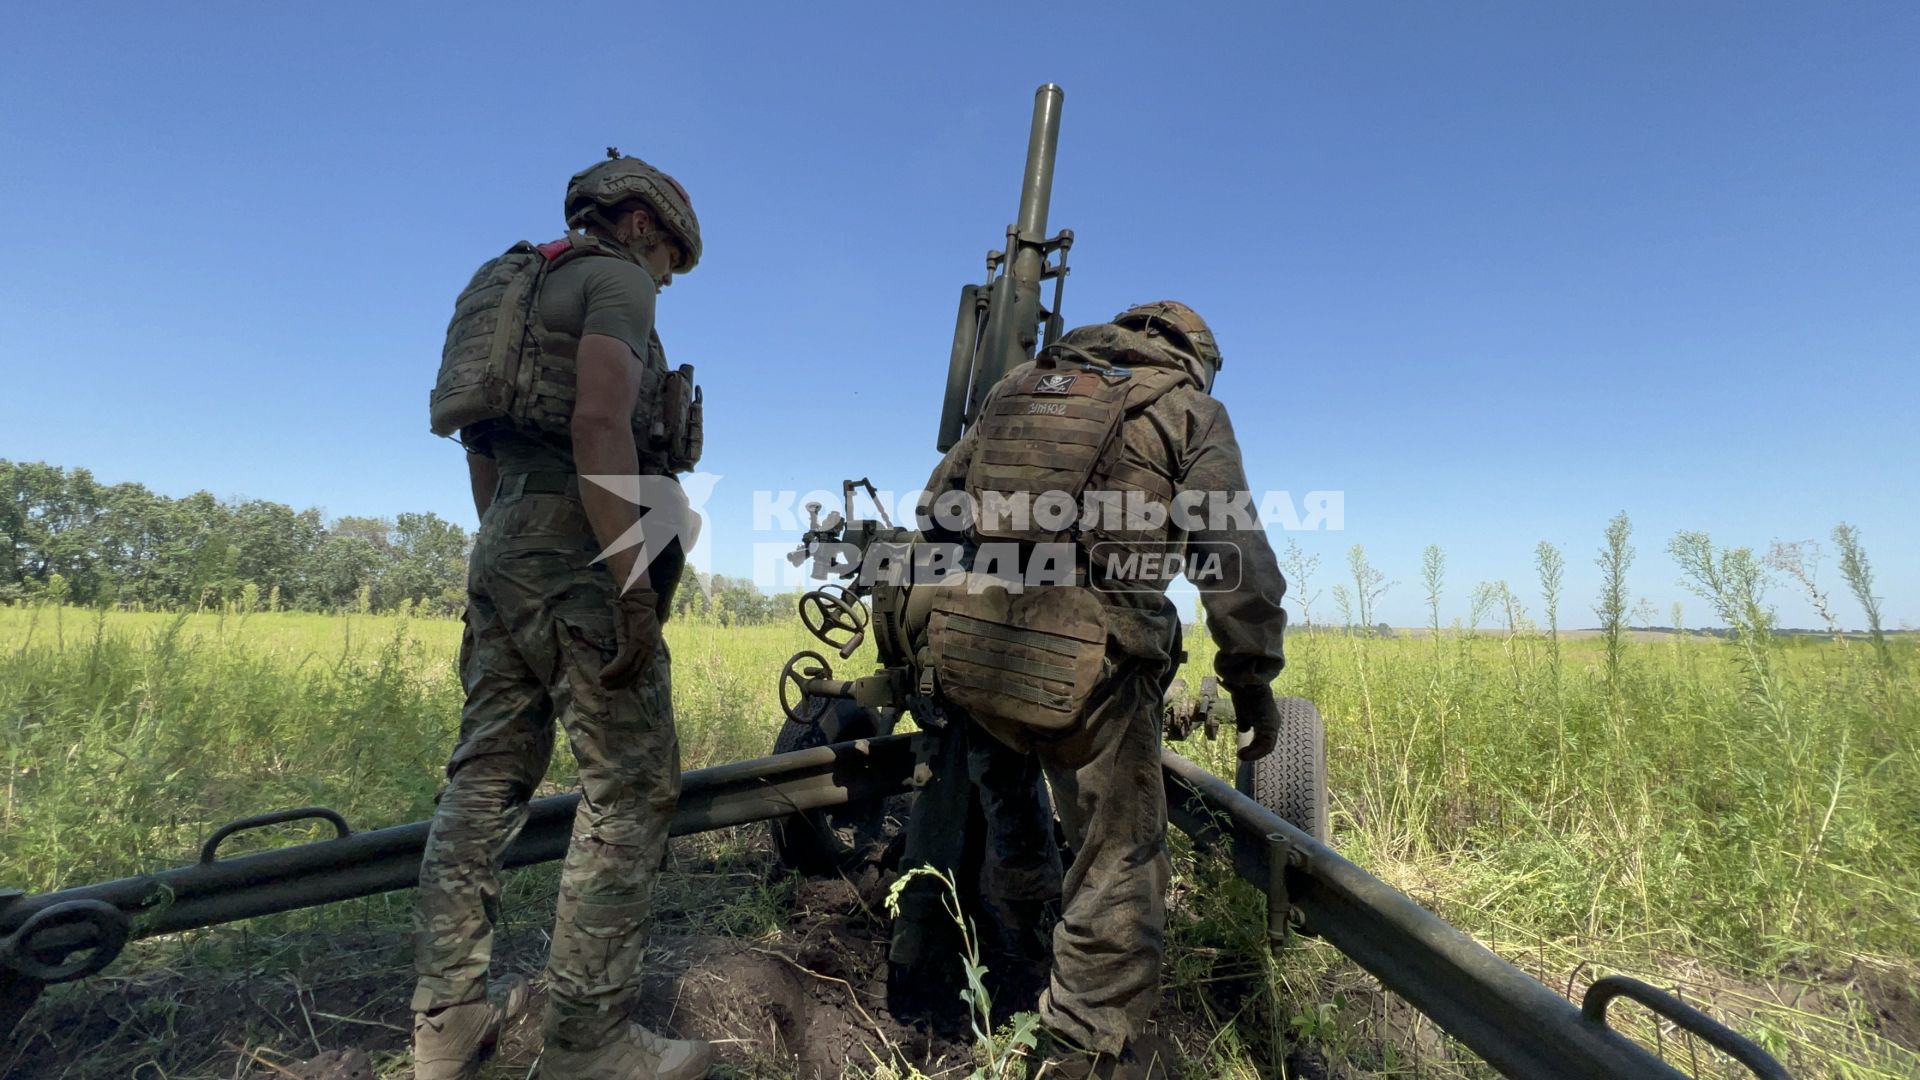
pixel 1105 775
pixel 550 633
pixel 540 626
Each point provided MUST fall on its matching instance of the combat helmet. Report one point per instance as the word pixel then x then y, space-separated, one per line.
pixel 1180 324
pixel 621 177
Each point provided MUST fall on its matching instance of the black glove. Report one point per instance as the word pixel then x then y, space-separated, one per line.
pixel 1254 710
pixel 637 629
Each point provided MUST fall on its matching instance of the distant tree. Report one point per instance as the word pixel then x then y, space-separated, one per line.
pixel 376 531
pixel 44 520
pixel 132 524
pixel 273 543
pixel 428 564
pixel 730 601
pixel 689 599
pixel 737 602
pixel 341 567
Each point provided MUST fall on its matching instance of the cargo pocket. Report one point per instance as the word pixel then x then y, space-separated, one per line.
pixel 585 636
pixel 1020 663
pixel 465 655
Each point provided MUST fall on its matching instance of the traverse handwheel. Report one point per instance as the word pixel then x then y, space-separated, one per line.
pixel 833 615
pixel 793 683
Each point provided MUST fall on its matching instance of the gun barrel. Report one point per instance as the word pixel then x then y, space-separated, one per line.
pixel 1043 142
pixel 1012 318
pixel 981 356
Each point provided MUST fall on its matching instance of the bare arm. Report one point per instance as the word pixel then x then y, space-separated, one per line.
pixel 484 474
pixel 609 382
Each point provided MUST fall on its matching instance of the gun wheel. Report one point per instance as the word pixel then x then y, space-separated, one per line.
pixel 1292 780
pixel 825 842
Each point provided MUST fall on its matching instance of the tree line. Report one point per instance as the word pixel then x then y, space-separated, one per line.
pixel 64 536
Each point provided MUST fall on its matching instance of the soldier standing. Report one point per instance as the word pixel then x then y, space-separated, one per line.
pixel 1069 679
pixel 552 631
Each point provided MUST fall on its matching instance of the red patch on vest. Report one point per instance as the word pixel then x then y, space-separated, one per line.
pixel 553 249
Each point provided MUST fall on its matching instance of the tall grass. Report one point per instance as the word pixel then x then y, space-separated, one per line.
pixel 1739 817
pixel 1611 608
pixel 128 737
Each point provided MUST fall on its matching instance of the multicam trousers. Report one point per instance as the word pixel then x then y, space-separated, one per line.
pixel 540 625
pixel 1107 788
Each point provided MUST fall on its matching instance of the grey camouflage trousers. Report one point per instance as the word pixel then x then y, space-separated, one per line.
pixel 540 626
pixel 1106 783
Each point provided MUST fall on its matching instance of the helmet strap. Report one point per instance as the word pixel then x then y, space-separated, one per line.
pixel 634 248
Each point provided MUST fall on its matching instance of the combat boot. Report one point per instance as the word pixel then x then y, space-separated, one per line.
pixel 1058 1058
pixel 1017 947
pixel 450 1043
pixel 1125 1066
pixel 636 1054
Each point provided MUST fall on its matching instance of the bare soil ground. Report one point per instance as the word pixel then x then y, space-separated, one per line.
pixel 807 1001
pixel 786 976
pixel 803 998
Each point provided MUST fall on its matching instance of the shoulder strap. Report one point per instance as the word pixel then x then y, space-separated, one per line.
pixel 1152 384
pixel 1145 383
pixel 577 245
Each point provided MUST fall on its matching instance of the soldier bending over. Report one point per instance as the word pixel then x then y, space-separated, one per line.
pixel 1068 679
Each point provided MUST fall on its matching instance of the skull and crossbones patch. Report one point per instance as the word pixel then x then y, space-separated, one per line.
pixel 1054 384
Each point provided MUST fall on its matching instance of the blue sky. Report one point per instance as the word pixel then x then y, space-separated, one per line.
pixel 1495 270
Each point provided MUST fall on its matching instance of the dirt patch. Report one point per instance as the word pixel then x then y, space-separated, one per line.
pixel 811 1001
pixel 1895 1002
pixel 807 1002
pixel 787 977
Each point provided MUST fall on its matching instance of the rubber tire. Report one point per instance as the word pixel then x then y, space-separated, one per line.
pixel 1292 780
pixel 823 842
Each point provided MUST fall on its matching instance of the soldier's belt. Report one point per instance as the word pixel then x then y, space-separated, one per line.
pixel 514 485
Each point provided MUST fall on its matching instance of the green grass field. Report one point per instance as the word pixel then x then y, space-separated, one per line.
pixel 1751 836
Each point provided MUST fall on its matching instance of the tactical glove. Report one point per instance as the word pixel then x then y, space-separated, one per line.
pixel 1254 710
pixel 637 629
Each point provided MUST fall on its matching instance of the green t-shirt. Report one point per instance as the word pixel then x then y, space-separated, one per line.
pixel 599 295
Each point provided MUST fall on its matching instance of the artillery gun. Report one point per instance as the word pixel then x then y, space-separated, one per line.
pixel 1274 817
pixel 838 760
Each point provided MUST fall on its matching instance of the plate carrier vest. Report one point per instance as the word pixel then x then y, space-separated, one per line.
pixel 1025 660
pixel 502 362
